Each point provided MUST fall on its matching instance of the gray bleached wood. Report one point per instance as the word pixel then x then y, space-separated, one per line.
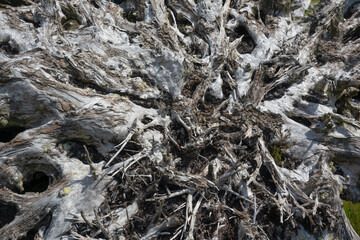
pixel 179 119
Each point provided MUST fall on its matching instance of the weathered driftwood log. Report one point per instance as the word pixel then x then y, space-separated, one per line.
pixel 178 119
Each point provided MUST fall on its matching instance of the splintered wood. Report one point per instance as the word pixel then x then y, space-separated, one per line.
pixel 178 119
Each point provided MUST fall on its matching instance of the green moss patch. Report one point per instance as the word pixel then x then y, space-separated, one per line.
pixel 352 211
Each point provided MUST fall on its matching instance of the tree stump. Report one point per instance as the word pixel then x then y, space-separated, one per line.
pixel 178 119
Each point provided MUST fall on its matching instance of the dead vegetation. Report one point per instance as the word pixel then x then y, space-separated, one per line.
pixel 178 119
